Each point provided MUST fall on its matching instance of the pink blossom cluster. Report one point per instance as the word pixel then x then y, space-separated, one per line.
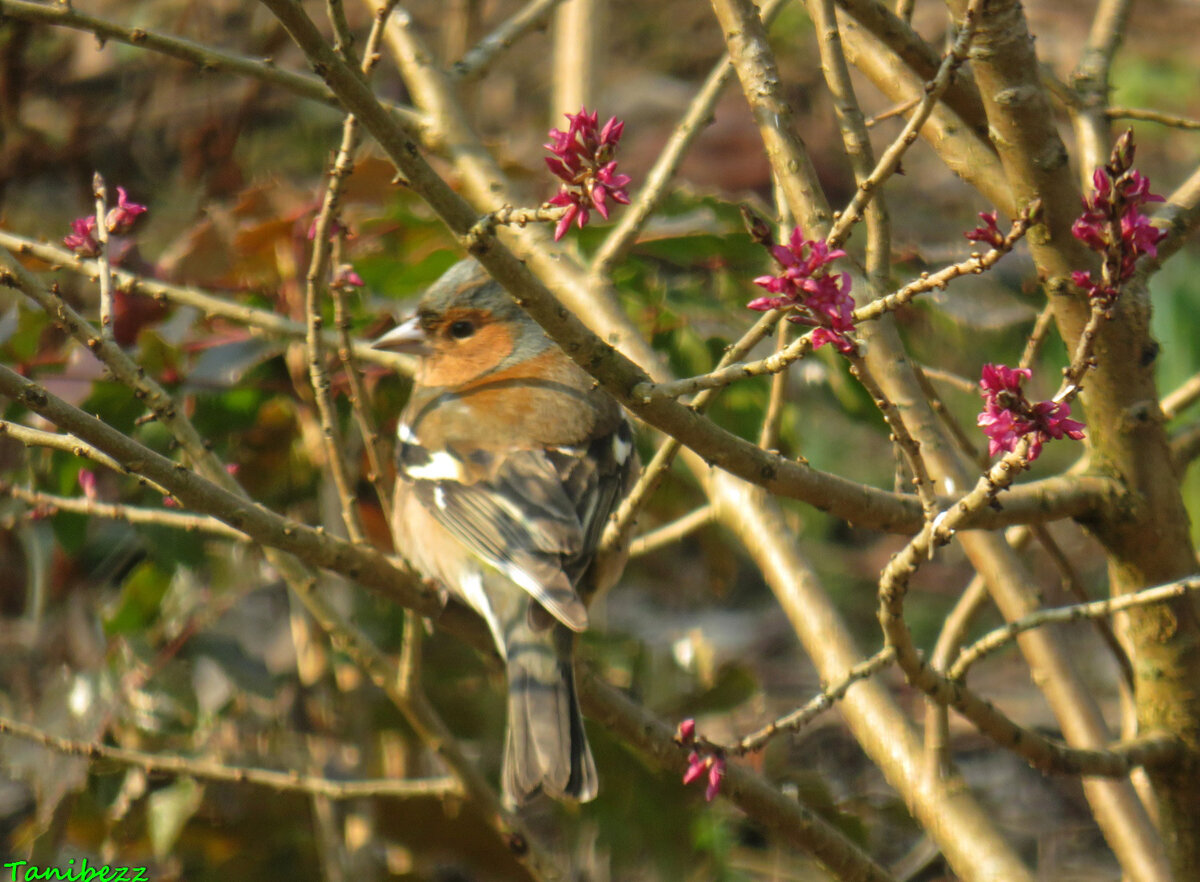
pixel 120 219
pixel 700 765
pixel 1008 416
pixel 583 160
pixel 804 281
pixel 1113 224
pixel 988 231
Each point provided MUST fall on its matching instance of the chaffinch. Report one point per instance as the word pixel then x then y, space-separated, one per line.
pixel 509 462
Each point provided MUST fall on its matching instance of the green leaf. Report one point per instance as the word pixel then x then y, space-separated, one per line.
pixel 169 810
pixel 141 597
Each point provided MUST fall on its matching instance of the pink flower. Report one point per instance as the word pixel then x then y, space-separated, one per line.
pixel 988 232
pixel 83 240
pixel 686 732
pixel 1118 195
pixel 804 281
pixel 122 218
pixel 87 483
pixel 583 160
pixel 715 773
pixel 1008 417
pixel 696 766
pixel 346 277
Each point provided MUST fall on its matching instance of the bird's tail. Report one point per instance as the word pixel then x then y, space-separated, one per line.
pixel 546 747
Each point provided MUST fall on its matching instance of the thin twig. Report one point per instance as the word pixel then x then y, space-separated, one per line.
pixel 672 532
pixel 858 148
pixel 1074 586
pixel 962 384
pixel 206 58
pixel 757 70
pixel 189 523
pixel 964 442
pixel 316 283
pixel 694 120
pixel 768 438
pixel 825 699
pixel 1182 397
pixel 378 448
pixel 1041 329
pixel 624 518
pixel 938 757
pixel 103 259
pixel 507 215
pixel 257 320
pixel 343 38
pixel 332 445
pixel 475 63
pixel 889 161
pixel 899 110
pixel 208 770
pixel 910 448
pixel 893 586
pixel 1157 116
pixel 1090 84
pixel 70 444
pixel 724 375
pixel 1000 637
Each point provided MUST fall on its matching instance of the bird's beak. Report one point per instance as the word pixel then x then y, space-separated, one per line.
pixel 407 337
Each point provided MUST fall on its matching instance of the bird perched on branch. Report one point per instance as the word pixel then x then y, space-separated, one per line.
pixel 510 461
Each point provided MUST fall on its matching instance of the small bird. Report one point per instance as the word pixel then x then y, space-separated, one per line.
pixel 510 460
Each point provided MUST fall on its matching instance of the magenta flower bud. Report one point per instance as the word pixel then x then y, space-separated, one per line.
pixel 346 277
pixel 583 161
pixel 696 767
pixel 988 232
pixel 1008 417
pixel 1123 152
pixel 87 483
pixel 83 240
pixel 1115 204
pixel 121 218
pixel 715 773
pixel 686 731
pixel 804 281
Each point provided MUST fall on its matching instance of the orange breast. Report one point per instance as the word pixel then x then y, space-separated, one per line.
pixel 544 401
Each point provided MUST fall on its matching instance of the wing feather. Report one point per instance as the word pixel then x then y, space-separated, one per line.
pixel 535 515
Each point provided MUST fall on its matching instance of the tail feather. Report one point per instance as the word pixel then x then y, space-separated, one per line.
pixel 546 747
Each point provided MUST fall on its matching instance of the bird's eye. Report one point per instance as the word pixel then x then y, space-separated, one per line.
pixel 462 329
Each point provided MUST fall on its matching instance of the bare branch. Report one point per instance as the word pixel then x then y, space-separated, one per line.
pixel 530 17
pixel 213 306
pixel 672 532
pixel 284 782
pixel 997 639
pixel 130 513
pixel 204 57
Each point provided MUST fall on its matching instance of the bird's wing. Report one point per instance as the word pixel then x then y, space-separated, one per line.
pixel 512 510
pixel 595 477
